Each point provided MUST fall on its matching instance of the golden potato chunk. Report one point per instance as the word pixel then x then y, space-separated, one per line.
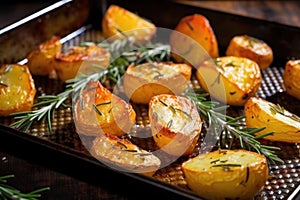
pixel 118 21
pixel 226 174
pixel 175 124
pixel 40 60
pixel 193 40
pixel 123 155
pixel 260 113
pixel 144 81
pixel 98 111
pixel 17 89
pixel 291 78
pixel 252 48
pixel 80 59
pixel 230 79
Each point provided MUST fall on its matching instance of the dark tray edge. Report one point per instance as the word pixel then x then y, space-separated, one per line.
pixel 68 158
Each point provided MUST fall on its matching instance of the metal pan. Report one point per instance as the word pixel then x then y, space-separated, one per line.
pixel 76 21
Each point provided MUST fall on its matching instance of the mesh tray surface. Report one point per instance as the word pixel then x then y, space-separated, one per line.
pixel 283 180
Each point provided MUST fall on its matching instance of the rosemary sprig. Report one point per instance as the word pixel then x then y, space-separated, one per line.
pixel 123 54
pixel 225 129
pixel 7 192
pixel 277 109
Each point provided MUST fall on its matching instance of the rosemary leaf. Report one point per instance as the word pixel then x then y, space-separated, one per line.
pixel 227 165
pixel 223 125
pixel 264 135
pixel 3 84
pixel 123 53
pixel 8 192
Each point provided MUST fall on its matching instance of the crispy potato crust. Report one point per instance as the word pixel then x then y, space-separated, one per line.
pixel 144 81
pixel 175 124
pixel 260 113
pixel 17 89
pixel 291 78
pixel 122 154
pixel 98 111
pixel 118 21
pixel 194 29
pixel 40 60
pixel 230 79
pixel 252 48
pixel 80 59
pixel 226 174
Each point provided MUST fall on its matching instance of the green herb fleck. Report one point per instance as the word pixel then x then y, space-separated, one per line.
pixel 169 125
pixel 104 103
pixel 227 165
pixel 123 145
pixel 162 102
pixel 97 110
pixel 7 69
pixel 277 109
pixel 3 84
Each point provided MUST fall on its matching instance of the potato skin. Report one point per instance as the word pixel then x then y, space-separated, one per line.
pixel 252 48
pixel 80 59
pixel 175 124
pixel 260 113
pixel 98 111
pixel 230 79
pixel 144 81
pixel 117 19
pixel 226 174
pixel 124 155
pixel 40 60
pixel 17 89
pixel 291 78
pixel 191 29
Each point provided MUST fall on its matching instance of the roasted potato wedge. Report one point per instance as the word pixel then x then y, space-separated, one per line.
pixel 196 42
pixel 260 113
pixel 144 81
pixel 226 174
pixel 118 21
pixel 175 124
pixel 291 78
pixel 123 155
pixel 80 59
pixel 252 48
pixel 230 79
pixel 17 89
pixel 40 60
pixel 98 111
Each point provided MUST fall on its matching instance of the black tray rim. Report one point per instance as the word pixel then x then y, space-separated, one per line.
pixel 10 134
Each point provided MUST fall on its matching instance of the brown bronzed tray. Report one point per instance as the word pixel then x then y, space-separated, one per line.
pixel 78 21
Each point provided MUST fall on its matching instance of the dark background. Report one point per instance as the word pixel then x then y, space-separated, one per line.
pixel 67 184
pixel 12 11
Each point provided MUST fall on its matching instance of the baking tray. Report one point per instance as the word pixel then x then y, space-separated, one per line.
pixel 77 21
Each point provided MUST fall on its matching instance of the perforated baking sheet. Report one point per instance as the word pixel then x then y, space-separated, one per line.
pixel 284 178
